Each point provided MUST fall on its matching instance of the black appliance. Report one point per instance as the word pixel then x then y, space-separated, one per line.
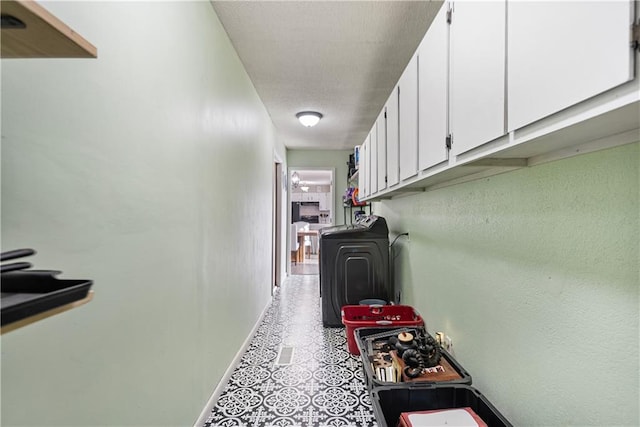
pixel 311 219
pixel 305 211
pixel 354 265
pixel 295 212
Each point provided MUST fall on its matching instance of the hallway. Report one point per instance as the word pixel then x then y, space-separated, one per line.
pixel 320 385
pixel 308 266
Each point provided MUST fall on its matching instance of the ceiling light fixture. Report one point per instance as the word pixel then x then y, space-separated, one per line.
pixel 309 118
pixel 295 179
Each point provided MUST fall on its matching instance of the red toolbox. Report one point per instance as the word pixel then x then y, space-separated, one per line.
pixel 371 316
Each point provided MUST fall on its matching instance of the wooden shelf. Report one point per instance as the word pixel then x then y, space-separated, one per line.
pixel 42 36
pixel 31 319
pixel 351 209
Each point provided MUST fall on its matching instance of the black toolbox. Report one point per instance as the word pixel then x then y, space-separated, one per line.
pixel 455 373
pixel 389 402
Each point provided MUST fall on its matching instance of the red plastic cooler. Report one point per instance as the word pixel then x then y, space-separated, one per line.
pixel 370 316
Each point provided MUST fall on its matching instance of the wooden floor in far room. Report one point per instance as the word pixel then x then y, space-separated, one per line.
pixel 309 266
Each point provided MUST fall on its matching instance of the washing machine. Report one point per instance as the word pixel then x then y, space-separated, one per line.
pixel 354 265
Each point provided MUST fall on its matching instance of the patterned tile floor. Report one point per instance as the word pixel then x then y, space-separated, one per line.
pixel 322 386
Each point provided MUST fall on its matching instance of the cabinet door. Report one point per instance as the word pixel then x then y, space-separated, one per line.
pixel 433 83
pixel 367 175
pixel 563 52
pixel 408 119
pixel 381 170
pixel 296 197
pixel 393 176
pixel 364 170
pixel 477 75
pixel 361 169
pixel 373 159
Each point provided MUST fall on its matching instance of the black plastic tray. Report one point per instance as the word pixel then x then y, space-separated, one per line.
pixel 367 334
pixel 31 292
pixel 389 402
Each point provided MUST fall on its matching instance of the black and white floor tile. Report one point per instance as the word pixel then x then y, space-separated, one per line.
pixel 322 385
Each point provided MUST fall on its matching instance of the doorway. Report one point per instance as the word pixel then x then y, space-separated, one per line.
pixel 311 208
pixel 279 180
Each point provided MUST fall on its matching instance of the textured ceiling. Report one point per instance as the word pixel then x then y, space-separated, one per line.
pixel 339 58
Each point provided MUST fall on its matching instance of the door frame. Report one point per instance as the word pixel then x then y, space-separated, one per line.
pixel 279 185
pixel 332 191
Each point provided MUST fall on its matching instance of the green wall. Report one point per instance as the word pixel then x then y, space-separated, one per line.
pixel 132 170
pixel 325 159
pixel 535 276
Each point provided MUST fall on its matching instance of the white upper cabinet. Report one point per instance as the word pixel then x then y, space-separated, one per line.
pixel 373 159
pixel 361 172
pixel 368 154
pixel 512 83
pixel 408 119
pixel 364 176
pixel 324 201
pixel 433 68
pixel 563 52
pixel 392 139
pixel 477 36
pixel 381 170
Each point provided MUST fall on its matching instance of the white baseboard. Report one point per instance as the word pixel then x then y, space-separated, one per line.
pixel 227 374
